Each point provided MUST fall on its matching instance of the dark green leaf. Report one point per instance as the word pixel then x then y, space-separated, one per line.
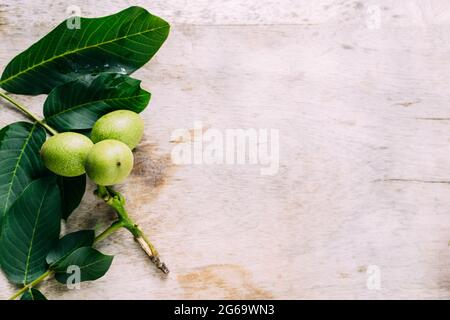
pixel 33 294
pixel 72 191
pixel 91 263
pixel 31 229
pixel 69 243
pixel 76 105
pixel 122 42
pixel 20 161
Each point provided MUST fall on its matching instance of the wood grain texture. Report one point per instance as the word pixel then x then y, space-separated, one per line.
pixel 364 175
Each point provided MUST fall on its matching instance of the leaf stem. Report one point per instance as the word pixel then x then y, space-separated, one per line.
pixel 116 201
pixel 31 284
pixel 111 229
pixel 28 113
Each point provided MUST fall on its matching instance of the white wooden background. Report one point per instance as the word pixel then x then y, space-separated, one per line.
pixel 364 116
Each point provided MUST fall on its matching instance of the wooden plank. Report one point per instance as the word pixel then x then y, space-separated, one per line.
pixel 364 174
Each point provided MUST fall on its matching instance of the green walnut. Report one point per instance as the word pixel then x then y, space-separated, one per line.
pixel 65 153
pixel 123 125
pixel 109 162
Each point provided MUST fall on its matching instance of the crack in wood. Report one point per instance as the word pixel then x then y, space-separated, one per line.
pixel 413 180
pixel 434 119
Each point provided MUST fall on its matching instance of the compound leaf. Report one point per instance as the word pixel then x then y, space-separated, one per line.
pixel 122 42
